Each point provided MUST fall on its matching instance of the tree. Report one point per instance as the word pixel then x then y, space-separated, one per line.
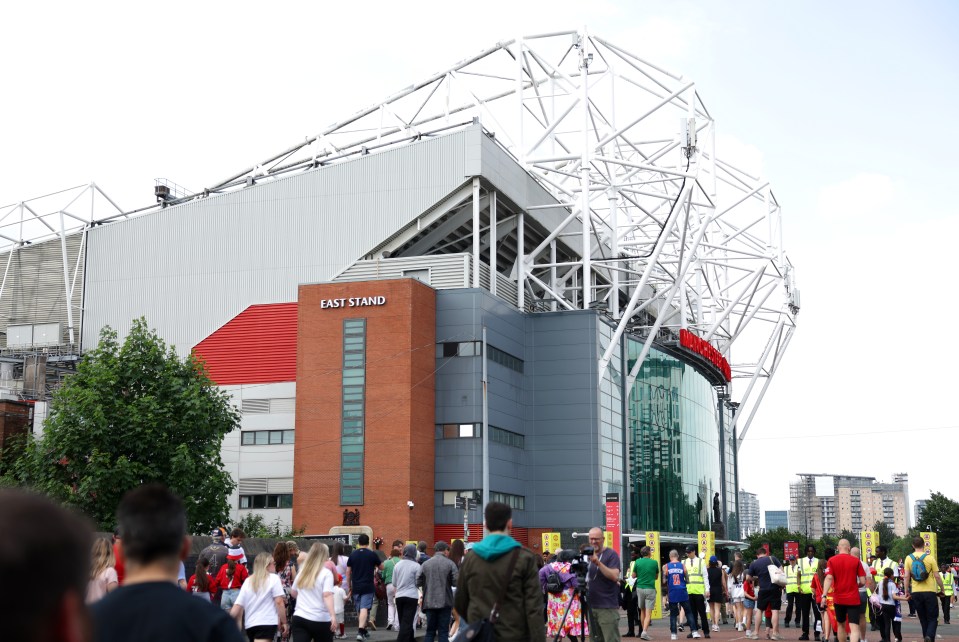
pixel 941 516
pixel 255 525
pixel 132 414
pixel 852 537
pixel 886 534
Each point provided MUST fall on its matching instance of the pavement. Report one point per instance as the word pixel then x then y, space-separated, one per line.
pixel 659 631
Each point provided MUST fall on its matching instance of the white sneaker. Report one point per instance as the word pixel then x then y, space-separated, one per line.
pixel 645 636
pixel 715 628
pixel 672 636
pixel 696 634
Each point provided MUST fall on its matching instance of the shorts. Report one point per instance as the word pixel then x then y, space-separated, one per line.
pixel 646 598
pixel 228 598
pixel 772 598
pixel 737 600
pixel 845 610
pixel 363 601
pixel 749 604
pixel 862 600
pixel 717 599
pixel 261 633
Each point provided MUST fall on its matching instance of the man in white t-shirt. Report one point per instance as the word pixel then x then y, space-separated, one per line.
pixel 863 592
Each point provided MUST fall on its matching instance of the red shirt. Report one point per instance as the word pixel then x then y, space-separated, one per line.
pixel 845 570
pixel 191 586
pixel 239 574
pixel 119 565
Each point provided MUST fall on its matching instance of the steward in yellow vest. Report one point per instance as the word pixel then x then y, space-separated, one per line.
pixel 805 571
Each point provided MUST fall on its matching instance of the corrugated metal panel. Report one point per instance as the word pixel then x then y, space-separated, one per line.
pixel 283 405
pixel 34 292
pixel 448 532
pixel 281 485
pixel 446 270
pixel 255 406
pixel 192 267
pixel 253 485
pixel 258 346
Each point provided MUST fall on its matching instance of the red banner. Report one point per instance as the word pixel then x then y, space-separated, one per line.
pixel 613 526
pixel 705 350
pixel 791 548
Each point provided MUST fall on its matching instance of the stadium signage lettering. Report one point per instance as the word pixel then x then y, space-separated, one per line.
pixel 352 302
pixel 705 349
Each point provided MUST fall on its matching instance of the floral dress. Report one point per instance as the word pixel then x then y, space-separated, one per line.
pixel 574 624
pixel 286 579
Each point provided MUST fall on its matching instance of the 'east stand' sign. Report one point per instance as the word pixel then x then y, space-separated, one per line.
pixel 352 302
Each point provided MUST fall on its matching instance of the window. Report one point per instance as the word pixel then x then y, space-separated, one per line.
pixel 449 496
pixel 517 502
pixel 268 406
pixel 457 431
pixel 266 437
pixel 505 359
pixel 506 437
pixel 352 422
pixel 266 501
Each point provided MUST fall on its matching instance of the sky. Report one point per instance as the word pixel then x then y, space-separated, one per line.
pixel 848 108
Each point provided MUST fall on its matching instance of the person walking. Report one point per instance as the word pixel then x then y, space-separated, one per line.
pixel 499 565
pixel 845 574
pixel 923 582
pixel 103 577
pixel 260 607
pixel 574 626
pixel 150 606
pixel 734 588
pixel 438 579
pixel 406 575
pixel 314 617
pixel 229 581
pixel 947 592
pixel 718 594
pixel 283 566
pixel 888 594
pixel 825 615
pixel 805 604
pixel 216 552
pixel 201 584
pixel 628 596
pixel 696 571
pixel 392 623
pixel 360 568
pixel 646 572
pixel 677 582
pixel 769 595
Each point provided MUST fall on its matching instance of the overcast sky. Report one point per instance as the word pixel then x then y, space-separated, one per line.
pixel 848 108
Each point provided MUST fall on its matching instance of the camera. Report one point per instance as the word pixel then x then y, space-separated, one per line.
pixel 580 563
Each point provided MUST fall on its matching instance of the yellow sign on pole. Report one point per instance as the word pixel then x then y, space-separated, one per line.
pixel 707 544
pixel 931 544
pixel 868 541
pixel 607 539
pixel 652 541
pixel 551 542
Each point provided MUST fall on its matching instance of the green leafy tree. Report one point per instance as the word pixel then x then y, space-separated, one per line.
pixel 255 525
pixel 941 515
pixel 851 536
pixel 134 413
pixel 886 535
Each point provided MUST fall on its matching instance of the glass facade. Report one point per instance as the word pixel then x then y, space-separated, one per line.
pixel 353 422
pixel 611 428
pixel 674 447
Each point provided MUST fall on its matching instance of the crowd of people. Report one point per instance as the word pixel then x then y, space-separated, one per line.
pixel 80 588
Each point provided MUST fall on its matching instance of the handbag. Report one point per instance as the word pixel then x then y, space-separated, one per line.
pixel 482 631
pixel 776 574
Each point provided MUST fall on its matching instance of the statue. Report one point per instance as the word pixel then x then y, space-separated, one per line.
pixel 351 518
pixel 717 517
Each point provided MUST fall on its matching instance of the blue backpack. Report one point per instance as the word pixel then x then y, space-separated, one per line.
pixel 918 570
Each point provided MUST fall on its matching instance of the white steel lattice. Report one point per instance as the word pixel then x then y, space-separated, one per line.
pixel 677 237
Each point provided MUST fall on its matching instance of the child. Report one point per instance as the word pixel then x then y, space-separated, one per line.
pixel 201 584
pixel 888 594
pixel 339 605
pixel 749 604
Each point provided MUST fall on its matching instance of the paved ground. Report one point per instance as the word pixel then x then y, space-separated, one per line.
pixel 659 631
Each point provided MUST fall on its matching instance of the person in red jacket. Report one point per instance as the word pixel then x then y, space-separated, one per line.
pixel 200 583
pixel 229 580
pixel 118 556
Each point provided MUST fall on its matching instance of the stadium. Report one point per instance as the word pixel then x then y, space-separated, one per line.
pixel 530 278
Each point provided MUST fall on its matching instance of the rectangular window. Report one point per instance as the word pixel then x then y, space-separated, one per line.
pixel 266 437
pixel 506 437
pixel 266 501
pixel 352 420
pixel 458 431
pixel 517 502
pixel 449 496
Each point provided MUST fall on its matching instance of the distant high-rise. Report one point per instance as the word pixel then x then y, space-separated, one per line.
pixel 777 519
pixel 829 504
pixel 920 506
pixel 748 513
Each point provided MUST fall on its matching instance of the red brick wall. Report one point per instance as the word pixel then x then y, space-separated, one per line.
pixel 400 414
pixel 14 420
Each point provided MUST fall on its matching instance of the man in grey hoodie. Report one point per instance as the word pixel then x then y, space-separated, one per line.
pixel 482 576
pixel 439 577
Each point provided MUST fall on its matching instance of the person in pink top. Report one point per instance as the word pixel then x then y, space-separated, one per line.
pixel 103 577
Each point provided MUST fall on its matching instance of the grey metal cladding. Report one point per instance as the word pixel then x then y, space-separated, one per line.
pixel 34 290
pixel 190 268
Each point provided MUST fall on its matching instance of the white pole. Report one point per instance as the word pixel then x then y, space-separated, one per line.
pixel 67 290
pixel 485 432
pixel 492 242
pixel 520 261
pixel 476 231
pixel 584 172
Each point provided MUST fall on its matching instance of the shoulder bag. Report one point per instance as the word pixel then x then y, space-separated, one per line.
pixel 482 631
pixel 776 574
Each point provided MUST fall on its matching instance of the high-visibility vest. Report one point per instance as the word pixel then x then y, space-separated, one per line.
pixel 808 571
pixel 946 584
pixel 791 586
pixel 881 566
pixel 694 568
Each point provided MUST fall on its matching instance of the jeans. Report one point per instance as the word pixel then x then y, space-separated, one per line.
pixel 927 608
pixel 674 616
pixel 438 624
pixel 406 611
pixel 391 606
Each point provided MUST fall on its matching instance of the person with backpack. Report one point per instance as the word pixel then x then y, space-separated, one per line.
pixel 923 584
pixel 560 584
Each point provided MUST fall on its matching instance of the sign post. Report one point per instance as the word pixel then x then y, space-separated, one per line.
pixel 652 541
pixel 551 542
pixel 707 544
pixel 869 541
pixel 931 543
pixel 613 536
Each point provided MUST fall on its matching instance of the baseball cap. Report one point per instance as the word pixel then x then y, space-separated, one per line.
pixel 690 548
pixel 713 559
pixel 791 557
pixel 216 532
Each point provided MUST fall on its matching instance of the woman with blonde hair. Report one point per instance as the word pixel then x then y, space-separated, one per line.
pixel 261 599
pixel 103 577
pixel 314 617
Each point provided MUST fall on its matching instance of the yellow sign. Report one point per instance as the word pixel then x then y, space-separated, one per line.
pixel 607 539
pixel 707 544
pixel 868 541
pixel 931 544
pixel 551 542
pixel 652 541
